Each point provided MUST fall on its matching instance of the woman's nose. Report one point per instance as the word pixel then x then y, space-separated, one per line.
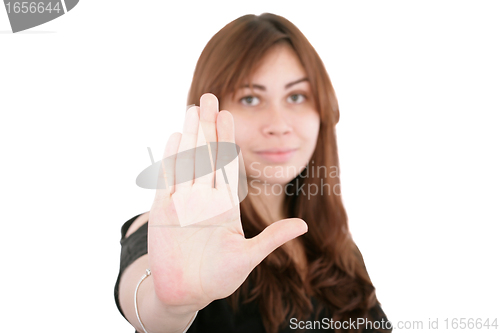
pixel 276 121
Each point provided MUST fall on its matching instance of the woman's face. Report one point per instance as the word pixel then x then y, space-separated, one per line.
pixel 277 123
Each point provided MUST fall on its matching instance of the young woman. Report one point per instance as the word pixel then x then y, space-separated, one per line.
pixel 283 259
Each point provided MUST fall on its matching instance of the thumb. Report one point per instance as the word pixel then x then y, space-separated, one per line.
pixel 273 237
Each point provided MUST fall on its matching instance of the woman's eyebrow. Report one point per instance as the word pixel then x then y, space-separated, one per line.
pixel 256 86
pixel 287 86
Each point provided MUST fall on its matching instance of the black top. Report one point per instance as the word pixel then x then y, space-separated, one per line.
pixel 218 316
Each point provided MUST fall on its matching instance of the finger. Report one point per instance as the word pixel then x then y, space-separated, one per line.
pixel 272 237
pixel 184 162
pixel 227 157
pixel 165 184
pixel 226 149
pixel 207 138
pixel 242 182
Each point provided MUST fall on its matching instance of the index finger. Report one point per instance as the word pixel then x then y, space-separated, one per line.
pixel 209 108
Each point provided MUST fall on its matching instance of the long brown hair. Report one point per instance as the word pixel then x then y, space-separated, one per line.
pixel 337 276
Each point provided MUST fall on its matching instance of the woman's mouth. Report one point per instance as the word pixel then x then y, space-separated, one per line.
pixel 277 155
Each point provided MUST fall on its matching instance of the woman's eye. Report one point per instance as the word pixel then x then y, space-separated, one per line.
pixel 250 100
pixel 296 98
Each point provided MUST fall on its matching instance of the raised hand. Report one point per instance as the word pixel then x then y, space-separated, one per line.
pixel 197 249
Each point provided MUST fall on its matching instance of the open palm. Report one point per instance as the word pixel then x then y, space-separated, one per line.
pixel 196 245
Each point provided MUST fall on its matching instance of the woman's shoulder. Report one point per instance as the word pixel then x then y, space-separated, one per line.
pixel 134 224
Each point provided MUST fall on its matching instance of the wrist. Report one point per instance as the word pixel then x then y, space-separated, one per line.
pixel 171 301
pixel 151 311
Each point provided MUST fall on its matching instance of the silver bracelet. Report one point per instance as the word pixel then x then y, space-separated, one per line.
pixel 148 273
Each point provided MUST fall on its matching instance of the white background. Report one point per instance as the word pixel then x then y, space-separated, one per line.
pixel 83 96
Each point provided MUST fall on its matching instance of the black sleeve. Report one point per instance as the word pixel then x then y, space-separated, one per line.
pixel 133 247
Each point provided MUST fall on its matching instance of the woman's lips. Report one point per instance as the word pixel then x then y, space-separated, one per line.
pixel 277 156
